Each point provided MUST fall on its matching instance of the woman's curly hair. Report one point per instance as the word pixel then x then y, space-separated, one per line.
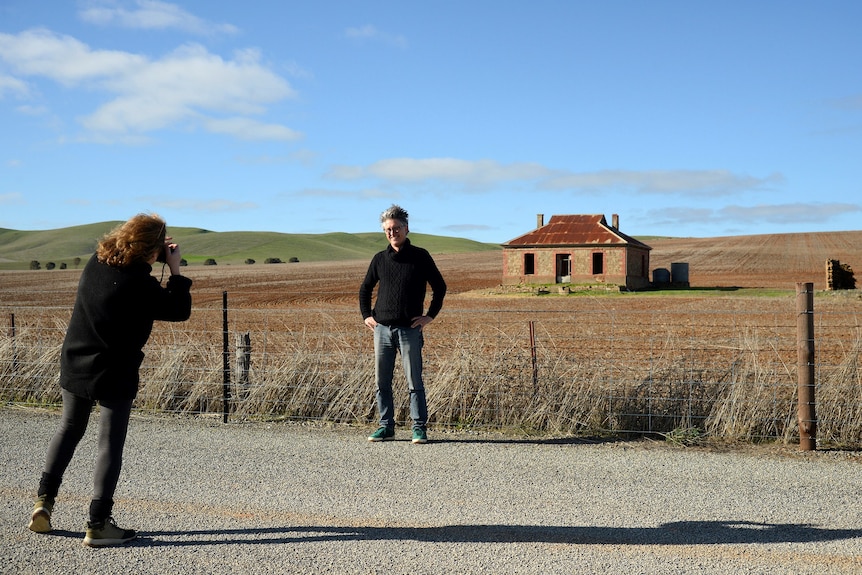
pixel 133 241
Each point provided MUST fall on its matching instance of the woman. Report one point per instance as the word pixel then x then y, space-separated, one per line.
pixel 116 304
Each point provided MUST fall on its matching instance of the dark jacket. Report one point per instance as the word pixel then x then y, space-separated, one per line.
pixel 403 276
pixel 111 322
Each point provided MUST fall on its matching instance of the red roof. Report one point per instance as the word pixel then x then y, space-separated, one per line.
pixel 575 231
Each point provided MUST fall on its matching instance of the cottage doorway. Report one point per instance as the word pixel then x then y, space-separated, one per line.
pixel 564 268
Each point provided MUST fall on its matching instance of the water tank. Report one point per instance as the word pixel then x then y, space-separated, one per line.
pixel 679 272
pixel 660 276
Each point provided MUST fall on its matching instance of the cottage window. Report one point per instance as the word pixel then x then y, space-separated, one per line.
pixel 529 264
pixel 598 263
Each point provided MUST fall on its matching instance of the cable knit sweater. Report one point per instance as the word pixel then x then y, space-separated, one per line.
pixel 403 276
pixel 111 322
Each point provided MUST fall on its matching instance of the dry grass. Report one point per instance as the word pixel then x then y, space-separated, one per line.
pixel 686 365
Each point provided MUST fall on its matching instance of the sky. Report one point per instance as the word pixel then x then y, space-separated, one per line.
pixel 686 119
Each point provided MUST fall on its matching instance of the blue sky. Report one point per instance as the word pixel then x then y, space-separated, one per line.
pixel 685 118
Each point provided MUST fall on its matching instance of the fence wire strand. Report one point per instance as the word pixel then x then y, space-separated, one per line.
pixel 715 368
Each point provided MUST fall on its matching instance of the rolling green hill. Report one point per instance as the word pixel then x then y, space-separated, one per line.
pixel 64 245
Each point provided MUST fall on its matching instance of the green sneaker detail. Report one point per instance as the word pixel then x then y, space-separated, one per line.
pixel 107 533
pixel 40 519
pixel 419 436
pixel 382 434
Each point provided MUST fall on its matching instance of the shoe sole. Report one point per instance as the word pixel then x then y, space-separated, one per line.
pixel 107 542
pixel 379 439
pixel 40 522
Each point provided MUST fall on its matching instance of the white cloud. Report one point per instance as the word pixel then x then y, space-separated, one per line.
pixel 148 15
pixel 248 129
pixel 12 85
pixel 369 32
pixel 788 213
pixel 685 182
pixel 189 86
pixel 11 198
pixel 371 193
pixel 404 170
pixel 794 213
pixel 485 174
pixel 212 205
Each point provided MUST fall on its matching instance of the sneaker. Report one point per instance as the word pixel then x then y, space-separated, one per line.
pixel 419 435
pixel 107 533
pixel 382 434
pixel 40 519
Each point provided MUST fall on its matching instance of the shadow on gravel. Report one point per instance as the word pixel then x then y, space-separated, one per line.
pixel 678 533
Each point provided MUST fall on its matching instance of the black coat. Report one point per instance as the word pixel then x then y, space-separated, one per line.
pixel 111 322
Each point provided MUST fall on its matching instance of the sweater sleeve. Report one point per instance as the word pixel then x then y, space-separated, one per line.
pixel 438 288
pixel 367 287
pixel 174 302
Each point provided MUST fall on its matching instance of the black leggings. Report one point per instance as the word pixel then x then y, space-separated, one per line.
pixel 113 426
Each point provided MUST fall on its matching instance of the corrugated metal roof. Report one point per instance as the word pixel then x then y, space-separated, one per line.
pixel 575 230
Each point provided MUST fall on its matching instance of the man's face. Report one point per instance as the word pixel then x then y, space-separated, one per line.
pixel 395 232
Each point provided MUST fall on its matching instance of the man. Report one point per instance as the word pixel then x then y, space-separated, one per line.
pixel 403 272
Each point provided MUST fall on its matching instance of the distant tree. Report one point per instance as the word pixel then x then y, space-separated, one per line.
pixel 183 262
pixel 50 266
pixel 210 262
pixel 249 261
pixel 294 260
pixel 35 265
pixel 62 265
pixel 77 262
pixel 273 261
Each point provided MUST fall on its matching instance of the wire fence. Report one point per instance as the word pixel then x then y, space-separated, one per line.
pixel 687 368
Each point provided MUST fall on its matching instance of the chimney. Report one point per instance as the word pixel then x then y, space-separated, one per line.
pixel 616 221
pixel 540 220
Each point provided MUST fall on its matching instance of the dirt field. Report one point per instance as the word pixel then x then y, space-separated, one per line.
pixel 759 261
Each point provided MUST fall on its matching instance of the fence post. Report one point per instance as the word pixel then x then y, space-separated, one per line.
pixel 226 360
pixel 805 366
pixel 14 347
pixel 533 358
pixel 243 363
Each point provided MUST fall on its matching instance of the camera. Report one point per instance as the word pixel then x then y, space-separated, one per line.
pixel 163 254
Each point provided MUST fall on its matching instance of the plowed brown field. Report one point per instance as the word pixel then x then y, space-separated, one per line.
pixel 776 261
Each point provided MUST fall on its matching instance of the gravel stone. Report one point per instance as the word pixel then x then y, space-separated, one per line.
pixel 213 498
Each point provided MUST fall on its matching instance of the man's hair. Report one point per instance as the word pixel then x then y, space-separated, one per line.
pixel 132 241
pixel 394 212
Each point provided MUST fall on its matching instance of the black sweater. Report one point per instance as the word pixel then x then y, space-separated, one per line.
pixel 111 322
pixel 403 276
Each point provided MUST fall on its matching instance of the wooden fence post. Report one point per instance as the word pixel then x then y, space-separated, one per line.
pixel 243 362
pixel 226 361
pixel 805 366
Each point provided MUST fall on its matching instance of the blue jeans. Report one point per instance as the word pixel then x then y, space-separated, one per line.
pixel 388 341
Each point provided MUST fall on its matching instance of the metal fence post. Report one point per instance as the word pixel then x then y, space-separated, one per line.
pixel 805 366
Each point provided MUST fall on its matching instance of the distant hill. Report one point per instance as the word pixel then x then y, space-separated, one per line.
pixel 63 245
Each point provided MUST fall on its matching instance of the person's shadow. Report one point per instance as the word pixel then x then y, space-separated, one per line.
pixel 676 533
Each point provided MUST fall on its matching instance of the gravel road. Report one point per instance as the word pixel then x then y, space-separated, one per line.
pixel 261 498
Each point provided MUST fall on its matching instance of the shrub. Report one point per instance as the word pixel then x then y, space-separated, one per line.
pixel 35 265
pixel 294 260
pixel 210 262
pixel 249 261
pixel 273 261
